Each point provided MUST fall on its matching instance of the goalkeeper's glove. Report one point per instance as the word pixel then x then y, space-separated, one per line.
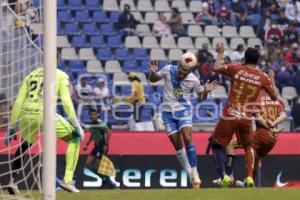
pixel 79 132
pixel 9 133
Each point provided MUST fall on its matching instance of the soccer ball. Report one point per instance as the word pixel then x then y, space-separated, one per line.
pixel 188 61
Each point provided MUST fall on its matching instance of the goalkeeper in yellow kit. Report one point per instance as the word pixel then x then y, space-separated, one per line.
pixel 28 109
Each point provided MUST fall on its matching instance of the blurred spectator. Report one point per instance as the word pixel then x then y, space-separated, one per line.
pixel 161 27
pixel 273 34
pixel 295 113
pixel 264 24
pixel 205 69
pixel 84 93
pixel 238 54
pixel 137 94
pixel 175 23
pixel 283 77
pixel 101 91
pixel 290 35
pixel 293 56
pixel 127 22
pixel 292 10
pixel 224 16
pixel 280 62
pixel 203 53
pixel 295 81
pixel 282 21
pixel 238 13
pixel 252 7
pixel 264 64
pixel 207 14
pixel 271 5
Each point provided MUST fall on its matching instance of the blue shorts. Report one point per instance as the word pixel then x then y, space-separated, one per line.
pixel 174 121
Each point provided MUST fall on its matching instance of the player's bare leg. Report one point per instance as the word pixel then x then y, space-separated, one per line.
pixel 191 154
pixel 177 141
pixel 249 157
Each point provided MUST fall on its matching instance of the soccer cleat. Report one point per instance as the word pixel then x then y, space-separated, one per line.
pixel 217 181
pixel 13 188
pixel 240 183
pixel 195 180
pixel 249 182
pixel 226 182
pixel 68 187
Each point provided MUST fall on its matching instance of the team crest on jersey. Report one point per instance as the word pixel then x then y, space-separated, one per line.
pixel 177 92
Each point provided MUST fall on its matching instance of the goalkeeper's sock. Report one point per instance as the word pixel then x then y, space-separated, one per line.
pixel 229 165
pixel 19 157
pixel 72 155
pixel 219 159
pixel 249 157
pixel 191 154
pixel 183 160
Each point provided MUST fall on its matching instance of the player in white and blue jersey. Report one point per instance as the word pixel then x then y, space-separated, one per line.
pixel 179 85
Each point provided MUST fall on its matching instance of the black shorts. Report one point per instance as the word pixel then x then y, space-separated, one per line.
pixel 98 151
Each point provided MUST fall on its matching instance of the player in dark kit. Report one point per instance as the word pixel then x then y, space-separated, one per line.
pixel 246 83
pixel 97 161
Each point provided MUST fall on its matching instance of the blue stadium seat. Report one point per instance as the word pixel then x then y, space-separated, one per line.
pixel 61 5
pixel 90 29
pixel 254 19
pixel 100 17
pixel 122 54
pixel 75 5
pixel 65 16
pixel 123 110
pixel 60 30
pixel 76 65
pixel 146 113
pixel 72 29
pixel 206 111
pixel 93 5
pixel 115 42
pixel 83 16
pixel 36 3
pixel 130 66
pixel 84 116
pixel 144 67
pixel 97 42
pixel 148 89
pixel 125 90
pixel 108 30
pixel 104 54
pixel 140 54
pixel 163 63
pixel 274 17
pixel 114 16
pixel 80 42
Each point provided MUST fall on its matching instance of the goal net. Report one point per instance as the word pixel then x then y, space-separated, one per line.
pixel 20 53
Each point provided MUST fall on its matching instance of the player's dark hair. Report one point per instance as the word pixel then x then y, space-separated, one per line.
pixel 93 110
pixel 251 56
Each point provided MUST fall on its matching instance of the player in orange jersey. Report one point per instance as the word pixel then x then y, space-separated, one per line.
pixel 265 137
pixel 246 83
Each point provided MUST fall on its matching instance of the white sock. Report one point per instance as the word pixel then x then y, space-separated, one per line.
pixel 183 160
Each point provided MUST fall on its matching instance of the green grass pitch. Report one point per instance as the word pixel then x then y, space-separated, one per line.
pixel 182 194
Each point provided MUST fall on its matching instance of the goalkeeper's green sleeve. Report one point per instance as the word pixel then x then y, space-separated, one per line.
pixel 64 94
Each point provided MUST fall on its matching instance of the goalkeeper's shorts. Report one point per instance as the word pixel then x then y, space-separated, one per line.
pixel 31 126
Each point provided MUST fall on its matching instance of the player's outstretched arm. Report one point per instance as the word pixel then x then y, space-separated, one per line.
pixel 153 69
pixel 208 87
pixel 259 119
pixel 64 94
pixel 278 120
pixel 218 67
